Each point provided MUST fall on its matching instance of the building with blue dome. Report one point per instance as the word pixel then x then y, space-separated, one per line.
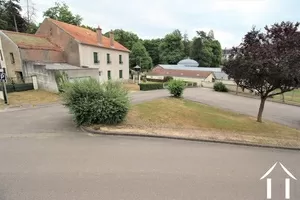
pixel 187 70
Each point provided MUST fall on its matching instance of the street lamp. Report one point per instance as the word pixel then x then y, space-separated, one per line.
pixel 138 69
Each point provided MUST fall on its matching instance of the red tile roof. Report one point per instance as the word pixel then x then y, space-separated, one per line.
pixel 159 71
pixel 87 36
pixel 31 41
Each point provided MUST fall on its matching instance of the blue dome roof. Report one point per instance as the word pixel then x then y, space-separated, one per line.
pixel 188 63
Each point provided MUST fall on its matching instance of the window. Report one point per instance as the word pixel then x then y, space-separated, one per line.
pixel 12 58
pixel 120 59
pixel 108 58
pixel 1 58
pixel 108 75
pixel 120 74
pixel 96 60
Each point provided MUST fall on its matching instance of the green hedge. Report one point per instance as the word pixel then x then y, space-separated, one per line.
pixel 151 86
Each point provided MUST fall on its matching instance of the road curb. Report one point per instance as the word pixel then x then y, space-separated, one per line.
pixel 92 131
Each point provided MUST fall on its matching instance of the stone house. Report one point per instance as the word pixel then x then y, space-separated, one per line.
pixel 59 46
pixel 26 55
pixel 86 48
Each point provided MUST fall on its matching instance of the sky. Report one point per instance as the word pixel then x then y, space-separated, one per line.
pixel 229 19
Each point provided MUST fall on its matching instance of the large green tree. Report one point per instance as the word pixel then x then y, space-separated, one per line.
pixel 3 22
pixel 186 45
pixel 171 48
pixel 10 16
pixel 126 38
pixel 152 46
pixel 206 50
pixel 61 12
pixel 139 56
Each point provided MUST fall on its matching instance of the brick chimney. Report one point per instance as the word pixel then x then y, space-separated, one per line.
pixel 99 35
pixel 112 38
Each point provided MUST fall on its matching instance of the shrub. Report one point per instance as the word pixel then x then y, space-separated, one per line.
pixel 176 87
pixel 220 87
pixel 151 86
pixel 167 78
pixel 93 103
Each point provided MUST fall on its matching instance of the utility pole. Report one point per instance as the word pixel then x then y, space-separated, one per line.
pixel 28 20
pixel 3 79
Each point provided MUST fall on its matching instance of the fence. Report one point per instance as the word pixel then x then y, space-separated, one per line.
pixel 18 84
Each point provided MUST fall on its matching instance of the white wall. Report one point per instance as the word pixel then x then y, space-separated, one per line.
pixel 194 80
pixel 86 53
pixel 2 62
pixel 45 78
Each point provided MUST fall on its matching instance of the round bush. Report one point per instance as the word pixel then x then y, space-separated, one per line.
pixel 93 103
pixel 176 87
pixel 220 87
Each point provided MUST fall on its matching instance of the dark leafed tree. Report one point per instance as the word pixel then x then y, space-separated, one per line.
pixel 171 48
pixel 267 62
pixel 61 12
pixel 152 46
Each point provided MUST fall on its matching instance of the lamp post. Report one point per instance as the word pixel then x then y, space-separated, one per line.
pixel 138 69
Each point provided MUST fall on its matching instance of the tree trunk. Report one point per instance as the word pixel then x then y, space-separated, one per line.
pixel 16 26
pixel 261 108
pixel 237 88
pixel 283 98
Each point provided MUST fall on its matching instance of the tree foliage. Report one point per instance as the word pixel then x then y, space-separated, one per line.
pixel 152 46
pixel 186 45
pixel 171 48
pixel 206 50
pixel 139 56
pixel 267 62
pixel 61 12
pixel 10 16
pixel 126 38
pixel 176 87
pixel 89 27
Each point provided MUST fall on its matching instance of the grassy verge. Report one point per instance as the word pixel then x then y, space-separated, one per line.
pixel 32 97
pixel 293 96
pixel 278 98
pixel 183 118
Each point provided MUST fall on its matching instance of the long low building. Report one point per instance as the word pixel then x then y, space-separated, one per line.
pixel 186 70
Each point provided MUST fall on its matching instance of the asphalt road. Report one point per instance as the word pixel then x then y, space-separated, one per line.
pixel 44 156
pixel 277 112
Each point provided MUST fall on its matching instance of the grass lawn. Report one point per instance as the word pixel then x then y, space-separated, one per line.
pixel 183 118
pixel 293 96
pixel 31 97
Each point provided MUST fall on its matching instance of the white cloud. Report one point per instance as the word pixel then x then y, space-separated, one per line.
pixel 149 19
